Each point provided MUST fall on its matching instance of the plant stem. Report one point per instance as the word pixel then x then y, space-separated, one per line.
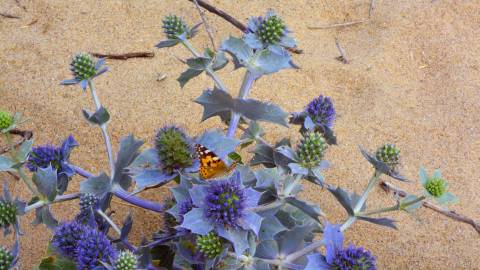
pixel 268 206
pixel 209 70
pixel 371 184
pixel 103 127
pixel 59 198
pixel 297 254
pixel 82 172
pixel 132 199
pixel 107 219
pixel 348 223
pixel 400 206
pixel 247 84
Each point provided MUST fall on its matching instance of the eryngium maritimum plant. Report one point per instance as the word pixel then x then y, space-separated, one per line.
pixel 219 216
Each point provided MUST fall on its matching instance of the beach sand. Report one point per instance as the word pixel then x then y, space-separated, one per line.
pixel 413 80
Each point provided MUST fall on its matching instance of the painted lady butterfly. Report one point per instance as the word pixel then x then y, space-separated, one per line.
pixel 211 165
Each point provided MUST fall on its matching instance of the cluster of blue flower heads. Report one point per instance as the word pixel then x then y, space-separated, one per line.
pixel 85 245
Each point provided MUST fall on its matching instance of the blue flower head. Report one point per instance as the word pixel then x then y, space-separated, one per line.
pixel 321 111
pixel 224 206
pixel 84 69
pixel 57 157
pixel 93 248
pixel 338 257
pixel 66 237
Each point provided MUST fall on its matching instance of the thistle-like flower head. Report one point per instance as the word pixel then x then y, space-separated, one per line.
pixel 389 155
pixel 224 206
pixel 338 257
pixel 6 120
pixel 88 201
pixel 210 245
pixel 66 237
pixel 271 29
pixel 57 157
pixel 84 69
pixel 126 260
pixel 174 26
pixel 6 259
pixel 92 248
pixel 311 149
pixel 321 111
pixel 8 213
pixel 9 210
pixel 43 156
pixel 175 150
pixel 436 187
pixel 225 202
pixel 268 32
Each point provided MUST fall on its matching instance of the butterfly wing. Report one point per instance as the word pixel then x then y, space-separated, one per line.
pixel 210 164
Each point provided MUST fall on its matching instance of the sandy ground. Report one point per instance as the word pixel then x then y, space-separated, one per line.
pixel 413 79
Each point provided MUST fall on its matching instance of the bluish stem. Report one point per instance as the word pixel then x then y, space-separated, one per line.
pixel 110 221
pixel 59 198
pixel 209 70
pixel 244 91
pixel 371 184
pixel 132 199
pixel 124 195
pixel 103 127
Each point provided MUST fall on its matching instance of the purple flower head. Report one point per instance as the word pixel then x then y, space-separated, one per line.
pixel 224 206
pixel 338 257
pixel 321 111
pixel 225 202
pixel 43 156
pixel 57 157
pixel 66 237
pixel 353 257
pixel 93 248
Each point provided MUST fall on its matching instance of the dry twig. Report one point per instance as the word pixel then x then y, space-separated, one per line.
pixel 9 16
pixel 337 25
pixel 451 214
pixel 205 24
pixel 25 134
pixel 125 56
pixel 372 8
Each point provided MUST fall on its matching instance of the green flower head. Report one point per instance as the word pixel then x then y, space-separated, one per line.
pixel 126 261
pixel 210 245
pixel 6 120
pixel 8 213
pixel 389 155
pixel 83 66
pixel 271 30
pixel 174 26
pixel 311 149
pixel 6 258
pixel 436 187
pixel 174 148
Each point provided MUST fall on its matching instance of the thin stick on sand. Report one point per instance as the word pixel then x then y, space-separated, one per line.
pixel 205 24
pixel 451 214
pixel 9 16
pixel 336 25
pixel 125 56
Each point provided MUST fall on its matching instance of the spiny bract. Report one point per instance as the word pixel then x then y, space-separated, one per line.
pixel 311 149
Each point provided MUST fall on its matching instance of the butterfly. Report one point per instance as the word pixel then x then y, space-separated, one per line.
pixel 211 165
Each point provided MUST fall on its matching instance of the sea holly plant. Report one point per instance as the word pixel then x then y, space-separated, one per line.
pixel 223 212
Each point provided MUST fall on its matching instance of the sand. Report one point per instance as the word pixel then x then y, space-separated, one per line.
pixel 413 79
